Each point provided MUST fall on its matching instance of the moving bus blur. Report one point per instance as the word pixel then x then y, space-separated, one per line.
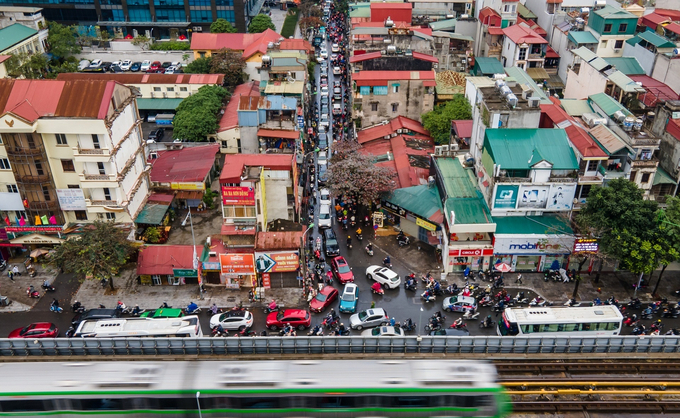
pixel 592 321
pixel 187 326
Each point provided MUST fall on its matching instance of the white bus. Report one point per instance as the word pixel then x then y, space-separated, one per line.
pixel 187 326
pixel 593 321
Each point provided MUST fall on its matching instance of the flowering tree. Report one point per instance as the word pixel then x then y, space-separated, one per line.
pixel 354 174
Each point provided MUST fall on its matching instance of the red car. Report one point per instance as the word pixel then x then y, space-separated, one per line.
pixel 155 65
pixel 342 271
pixel 323 299
pixel 36 330
pixel 295 317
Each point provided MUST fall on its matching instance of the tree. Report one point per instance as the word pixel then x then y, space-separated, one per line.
pixel 231 64
pixel 309 23
pixel 62 40
pixel 222 26
pixel 355 175
pixel 261 23
pixel 198 66
pixel 438 121
pixel 669 228
pixel 99 254
pixel 197 115
pixel 141 41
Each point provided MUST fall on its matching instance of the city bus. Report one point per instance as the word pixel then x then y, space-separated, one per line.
pixel 592 321
pixel 188 327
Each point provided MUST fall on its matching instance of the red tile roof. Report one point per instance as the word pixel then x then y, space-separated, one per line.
pixel 249 43
pixel 523 34
pixel 234 163
pixel 4 58
pixel 380 78
pixel 161 198
pixel 230 118
pixel 398 12
pixel 655 90
pixel 425 57
pixel 673 27
pixel 381 130
pixel 488 16
pixel 190 165
pixel 673 128
pixel 533 25
pixel 463 128
pixel 161 259
pixel 278 240
pixel 550 53
pixel 673 14
pixel 296 45
pixel 231 229
pixel 653 20
pixel 278 133
pixel 495 31
pixel 142 78
pixel 365 57
pixel 260 45
pixel 409 153
pixel 554 1
pixel 578 136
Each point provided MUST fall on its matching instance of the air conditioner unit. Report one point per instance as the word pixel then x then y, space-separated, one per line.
pixel 152 95
pixel 386 137
pixel 534 101
pixel 465 16
pixel 394 134
pixel 437 150
pixel 617 49
pixel 445 149
pixel 153 155
pixel 399 130
pixel 435 66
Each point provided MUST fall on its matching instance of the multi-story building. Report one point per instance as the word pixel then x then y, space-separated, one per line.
pixel 612 27
pixel 523 47
pixel 236 134
pixel 20 39
pixel 489 34
pixel 666 125
pixel 75 149
pixel 647 47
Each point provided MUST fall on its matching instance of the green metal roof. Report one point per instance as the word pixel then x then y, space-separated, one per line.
pixel 520 149
pixel 360 10
pixel 158 104
pixel 609 12
pixel 582 37
pixel 633 41
pixel 627 65
pixel 662 177
pixel 488 65
pixel 462 196
pixel 12 35
pixel 152 214
pixel 656 40
pixel 624 82
pixel 524 12
pixel 527 225
pixel 422 200
pixel 607 104
pixel 446 24
pixel 522 77
pixel 575 107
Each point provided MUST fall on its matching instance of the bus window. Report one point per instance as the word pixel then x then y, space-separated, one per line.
pixel 560 327
pixel 259 403
pixel 536 328
pixel 585 327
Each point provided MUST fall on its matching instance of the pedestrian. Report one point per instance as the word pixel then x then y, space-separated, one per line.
pixel 15 270
pixel 519 279
pixel 10 275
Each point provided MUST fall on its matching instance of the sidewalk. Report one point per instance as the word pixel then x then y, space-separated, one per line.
pixel 16 290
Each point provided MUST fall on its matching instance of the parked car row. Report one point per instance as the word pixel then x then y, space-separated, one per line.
pixel 146 66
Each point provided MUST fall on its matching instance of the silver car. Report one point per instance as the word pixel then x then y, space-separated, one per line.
pixel 369 318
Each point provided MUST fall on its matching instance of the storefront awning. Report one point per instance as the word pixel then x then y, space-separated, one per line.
pixel 152 214
pixel 36 239
pixel 190 195
pixel 278 133
pixel 662 177
pixel 158 104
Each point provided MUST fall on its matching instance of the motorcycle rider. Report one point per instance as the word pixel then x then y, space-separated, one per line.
pixel 54 305
pixel 349 241
pixel 191 308
pixel 369 248
pixel 486 323
pixel 387 261
pixel 214 309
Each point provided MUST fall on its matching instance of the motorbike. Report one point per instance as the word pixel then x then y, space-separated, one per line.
pixel 360 237
pixel 451 289
pixel 32 293
pixel 56 309
pixel 408 325
pixel 403 240
pixel 349 244
pixel 433 326
pixel 330 321
pixel 647 314
pixel 3 265
pixel 218 331
pixel 520 299
pixel 387 262
pixel 631 321
pixel 486 322
pixel 410 285
pixel 470 316
pixel 317 331
pixel 46 286
pixel 377 289
pixel 70 332
pixel 369 251
pixel 427 296
pixel 634 304
pixel 337 332
pixel 272 307
pixel 77 307
pixel 639 329
pixel 458 324
pixel 537 301
pixel 572 303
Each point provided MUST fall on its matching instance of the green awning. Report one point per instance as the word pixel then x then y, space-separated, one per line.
pixel 539 225
pixel 158 104
pixel 662 177
pixel 152 214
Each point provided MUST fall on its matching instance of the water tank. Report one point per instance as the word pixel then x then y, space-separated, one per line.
pixel 505 91
pixel 512 99
pixel 499 84
pixel 619 116
pixel 389 22
pixel 650 115
pixel 270 45
pixel 637 125
pixel 391 49
pixel 628 123
pixel 266 60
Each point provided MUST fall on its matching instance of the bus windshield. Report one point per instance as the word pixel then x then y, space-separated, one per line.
pixel 506 327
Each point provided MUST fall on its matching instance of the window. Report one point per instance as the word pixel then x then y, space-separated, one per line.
pixel 107 193
pixel 156 89
pixel 73 186
pixel 645 178
pixel 39 168
pixel 183 89
pixel 12 188
pixel 607 27
pixel 100 167
pixel 522 54
pixel 623 27
pixel 603 44
pixel 618 44
pixel 81 215
pixel 67 166
pixel 170 88
pixel 46 193
pixel 374 108
pixel 61 139
pixel 395 107
pixel 4 164
pixel 592 165
pixel 395 88
pixel 509 8
pixel 380 90
pixel 0 139
pixel 365 90
pixel 108 216
pixel 95 141
pixel 551 8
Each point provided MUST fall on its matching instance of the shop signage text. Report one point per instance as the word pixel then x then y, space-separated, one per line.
pixel 187 186
pixel 266 281
pixel 277 262
pixel 237 263
pixel 238 195
pixel 426 225
pixel 471 252
pixel 394 208
pixel 585 245
pixel 536 246
pixel 211 265
pixel 53 228
pixel 184 273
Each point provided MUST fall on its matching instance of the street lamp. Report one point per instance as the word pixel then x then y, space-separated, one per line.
pixel 198 403
pixel 420 318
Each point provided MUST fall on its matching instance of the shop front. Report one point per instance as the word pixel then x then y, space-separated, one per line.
pixel 413 224
pixel 238 270
pixel 473 257
pixel 527 253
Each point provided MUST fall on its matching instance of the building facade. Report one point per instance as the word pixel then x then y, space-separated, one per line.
pixel 612 27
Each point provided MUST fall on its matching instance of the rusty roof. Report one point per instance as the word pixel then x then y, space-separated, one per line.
pixel 142 78
pixel 280 240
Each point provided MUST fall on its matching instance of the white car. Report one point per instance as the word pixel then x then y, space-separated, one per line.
pixel 384 276
pixel 335 48
pixel 321 60
pixel 325 216
pixel 146 64
pixel 325 198
pixel 83 64
pixel 96 64
pixel 322 158
pixel 324 120
pixel 233 320
pixel 324 91
pixel 170 70
pixel 337 70
pixel 323 53
pixel 125 65
pixel 384 331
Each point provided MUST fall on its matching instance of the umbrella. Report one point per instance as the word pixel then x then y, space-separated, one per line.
pixel 503 267
pixel 37 253
pixel 129 37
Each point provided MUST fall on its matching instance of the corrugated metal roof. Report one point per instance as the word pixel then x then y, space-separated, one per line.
pixel 625 83
pixel 458 36
pixel 575 107
pixel 537 73
pixel 582 37
pixel 599 64
pixel 446 24
pixel 608 140
pixel 147 78
pixel 609 12
pixel 278 240
pixel 152 213
pixel 584 53
pixel 281 103
pixel 523 11
pixel 532 225
pixel 85 99
pixel 462 196
pixel 521 33
pixel 607 104
pixel 422 200
pixel 383 129
pixel 376 78
pixel 158 104
pixel 365 57
pixel 284 87
pixel 513 149
pixel 242 94
pixel 162 259
pixel 286 62
pixel 627 65
pixel 489 65
pixel 13 34
pixel 192 164
pixel 522 77
pixel 662 177
pixel 656 40
pixel 234 163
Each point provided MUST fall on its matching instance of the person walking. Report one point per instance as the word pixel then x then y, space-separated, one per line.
pixel 519 279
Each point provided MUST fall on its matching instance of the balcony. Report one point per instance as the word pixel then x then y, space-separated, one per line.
pixel 494 51
pixel 644 141
pixel 596 179
pixel 89 181
pixel 286 124
pixel 102 203
pixel 535 57
pixel 91 155
pixel 43 205
pixel 513 179
pixel 32 178
pixel 654 162
pixel 562 180
pixel 19 151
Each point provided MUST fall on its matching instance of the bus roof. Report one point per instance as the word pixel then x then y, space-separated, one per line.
pixel 138 326
pixel 534 315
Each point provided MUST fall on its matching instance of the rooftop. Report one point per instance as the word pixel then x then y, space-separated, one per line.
pixel 521 33
pixel 627 65
pixel 609 12
pixel 523 77
pixel 13 34
pixel 141 78
pixel 462 128
pixel 234 164
pixel 450 82
pixel 162 259
pixel 576 134
pixel 445 24
pixel 656 40
pixel 380 78
pixel 532 225
pixel 278 240
pixel 582 37
pixel 249 43
pixel 607 104
pixel 229 119
pixel 521 149
pixel 410 126
pixel 407 155
pixel 608 140
pixel 655 91
pixel 186 165
pixel 489 65
pixel 463 199
pixel 576 107
pixel 423 200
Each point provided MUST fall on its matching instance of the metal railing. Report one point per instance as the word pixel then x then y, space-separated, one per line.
pixel 304 345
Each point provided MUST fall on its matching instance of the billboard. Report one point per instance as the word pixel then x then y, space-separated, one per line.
pixel 237 263
pixel 71 199
pixel 586 245
pixel 534 197
pixel 561 196
pixel 506 196
pixel 277 262
pixel 238 195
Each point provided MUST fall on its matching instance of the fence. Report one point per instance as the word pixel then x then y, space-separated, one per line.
pixel 410 345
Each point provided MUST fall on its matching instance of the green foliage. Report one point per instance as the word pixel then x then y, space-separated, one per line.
pixel 261 23
pixel 222 26
pixel 141 41
pixel 170 46
pixel 197 115
pixel 231 64
pixel 198 66
pixel 62 40
pixel 438 121
pixel 288 28
pixel 100 252
pixel 311 65
pixel 209 198
pixel 152 235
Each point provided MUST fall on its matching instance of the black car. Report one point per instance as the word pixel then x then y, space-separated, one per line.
pixel 116 69
pixel 106 66
pixel 95 314
pixel 323 174
pixel 330 243
pixel 136 66
pixel 157 135
pixel 166 64
pixel 451 332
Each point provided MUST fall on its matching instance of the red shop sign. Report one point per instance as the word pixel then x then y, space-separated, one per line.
pixel 471 252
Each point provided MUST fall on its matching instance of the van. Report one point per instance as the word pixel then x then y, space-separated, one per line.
pixel 325 216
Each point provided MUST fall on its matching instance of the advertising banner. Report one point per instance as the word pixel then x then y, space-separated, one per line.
pixel 277 262
pixel 237 263
pixel 238 195
pixel 71 199
pixel 561 196
pixel 526 245
pixel 585 245
pixel 535 197
pixel 266 281
pixel 187 186
pixel 470 252
pixel 506 196
pixel 426 225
